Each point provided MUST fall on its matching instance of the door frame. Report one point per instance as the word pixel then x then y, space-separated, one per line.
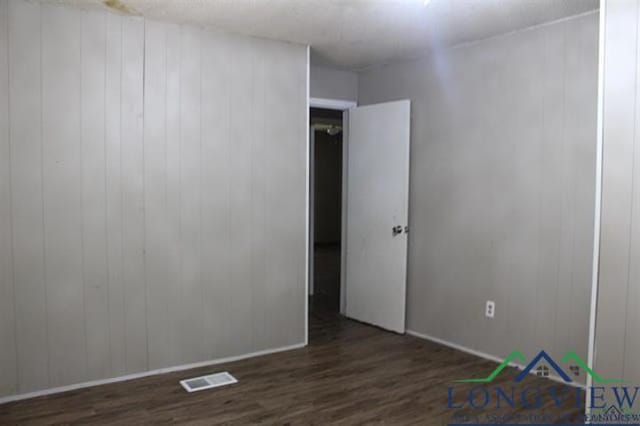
pixel 344 106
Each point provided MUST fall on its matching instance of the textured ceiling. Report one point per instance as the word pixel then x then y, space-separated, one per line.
pixel 354 34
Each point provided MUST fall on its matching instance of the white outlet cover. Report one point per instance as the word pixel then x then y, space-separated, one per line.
pixel 490 309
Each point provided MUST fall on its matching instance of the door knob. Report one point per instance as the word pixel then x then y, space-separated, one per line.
pixel 397 230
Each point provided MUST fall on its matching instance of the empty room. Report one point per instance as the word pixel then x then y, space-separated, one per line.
pixel 319 212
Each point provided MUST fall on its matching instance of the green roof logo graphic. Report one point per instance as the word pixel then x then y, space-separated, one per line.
pixel 541 356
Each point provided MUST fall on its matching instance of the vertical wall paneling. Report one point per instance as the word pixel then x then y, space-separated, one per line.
pixel 617 344
pixel 94 220
pixel 527 106
pixel 113 187
pixel 61 152
pixel 583 165
pixel 574 259
pixel 158 228
pixel 241 131
pixel 26 196
pixel 132 166
pixel 550 200
pixel 216 232
pixel 555 202
pixel 285 177
pixel 151 196
pixel 620 75
pixel 285 182
pixel 190 102
pixel 295 71
pixel 8 359
pixel 275 276
pixel 632 340
pixel 258 199
pixel 172 107
pixel 502 184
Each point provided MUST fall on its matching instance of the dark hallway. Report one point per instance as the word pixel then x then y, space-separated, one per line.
pixel 327 207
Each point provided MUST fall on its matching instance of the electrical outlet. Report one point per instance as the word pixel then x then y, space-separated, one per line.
pixel 490 309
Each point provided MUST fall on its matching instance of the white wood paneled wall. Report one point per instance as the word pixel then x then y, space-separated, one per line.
pixel 152 195
pixel 617 341
pixel 503 155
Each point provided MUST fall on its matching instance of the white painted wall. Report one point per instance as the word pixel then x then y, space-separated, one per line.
pixel 502 187
pixel 152 195
pixel 328 83
pixel 617 343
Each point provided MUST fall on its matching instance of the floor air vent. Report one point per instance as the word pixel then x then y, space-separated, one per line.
pixel 208 382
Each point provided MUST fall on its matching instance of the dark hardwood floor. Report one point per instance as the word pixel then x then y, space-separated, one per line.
pixel 350 373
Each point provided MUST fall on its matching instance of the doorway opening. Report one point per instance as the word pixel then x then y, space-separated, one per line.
pixel 326 183
pixel 358 230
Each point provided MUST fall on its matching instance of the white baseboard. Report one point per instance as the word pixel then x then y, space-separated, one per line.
pixel 486 356
pixel 143 374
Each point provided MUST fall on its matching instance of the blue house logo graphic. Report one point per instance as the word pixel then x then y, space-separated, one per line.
pixel 542 356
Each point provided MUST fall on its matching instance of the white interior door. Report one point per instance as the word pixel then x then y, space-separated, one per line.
pixel 377 214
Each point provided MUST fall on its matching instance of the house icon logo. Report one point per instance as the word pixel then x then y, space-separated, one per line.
pixel 543 365
pixel 542 356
